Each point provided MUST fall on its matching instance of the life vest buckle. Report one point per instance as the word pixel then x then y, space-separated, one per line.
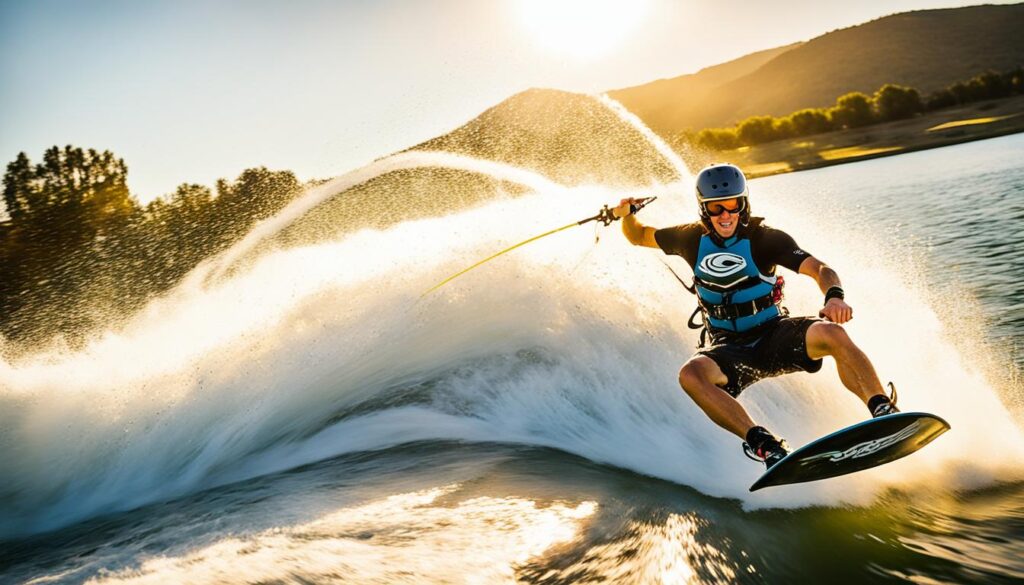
pixel 734 311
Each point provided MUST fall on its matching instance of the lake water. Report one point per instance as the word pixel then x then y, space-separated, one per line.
pixel 309 419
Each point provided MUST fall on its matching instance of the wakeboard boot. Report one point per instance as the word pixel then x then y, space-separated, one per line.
pixel 765 447
pixel 882 405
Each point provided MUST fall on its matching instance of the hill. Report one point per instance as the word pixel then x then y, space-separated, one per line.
pixel 666 104
pixel 927 49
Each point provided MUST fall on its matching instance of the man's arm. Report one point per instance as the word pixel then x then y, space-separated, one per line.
pixel 835 309
pixel 637 233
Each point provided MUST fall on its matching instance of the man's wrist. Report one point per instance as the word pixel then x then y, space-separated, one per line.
pixel 834 292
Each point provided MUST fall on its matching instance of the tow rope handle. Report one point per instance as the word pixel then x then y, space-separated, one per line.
pixel 607 218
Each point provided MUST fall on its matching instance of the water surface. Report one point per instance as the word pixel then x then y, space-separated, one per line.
pixel 306 419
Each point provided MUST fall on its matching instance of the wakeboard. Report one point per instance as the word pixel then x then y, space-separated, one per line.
pixel 864 445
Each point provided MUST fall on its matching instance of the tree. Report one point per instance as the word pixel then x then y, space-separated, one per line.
pixel 988 85
pixel 810 121
pixel 756 130
pixel 783 128
pixel 77 249
pixel 67 214
pixel 895 102
pixel 257 193
pixel 18 187
pixel 943 98
pixel 852 110
pixel 1014 78
pixel 961 92
pixel 717 139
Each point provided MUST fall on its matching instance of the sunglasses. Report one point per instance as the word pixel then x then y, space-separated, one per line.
pixel 716 208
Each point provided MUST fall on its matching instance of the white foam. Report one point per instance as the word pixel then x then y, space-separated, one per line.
pixel 397 162
pixel 652 138
pixel 557 344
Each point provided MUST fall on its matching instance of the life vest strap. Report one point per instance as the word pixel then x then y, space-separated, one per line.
pixel 734 311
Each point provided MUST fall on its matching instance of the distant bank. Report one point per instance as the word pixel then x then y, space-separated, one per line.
pixel 928 50
pixel 975 121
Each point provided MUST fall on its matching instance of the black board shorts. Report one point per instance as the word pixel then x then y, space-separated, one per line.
pixel 778 347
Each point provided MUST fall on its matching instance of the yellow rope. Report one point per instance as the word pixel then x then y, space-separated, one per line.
pixel 489 258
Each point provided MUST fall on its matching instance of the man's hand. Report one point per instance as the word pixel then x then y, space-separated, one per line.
pixel 623 209
pixel 637 233
pixel 837 311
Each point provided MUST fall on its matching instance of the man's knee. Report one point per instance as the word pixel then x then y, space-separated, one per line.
pixel 828 338
pixel 689 375
pixel 698 372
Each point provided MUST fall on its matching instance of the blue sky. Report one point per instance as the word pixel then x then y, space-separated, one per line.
pixel 190 91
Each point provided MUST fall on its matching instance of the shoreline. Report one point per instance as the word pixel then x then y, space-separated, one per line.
pixel 947 127
pixel 853 159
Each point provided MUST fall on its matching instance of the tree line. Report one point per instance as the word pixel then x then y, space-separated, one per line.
pixel 78 251
pixel 854 110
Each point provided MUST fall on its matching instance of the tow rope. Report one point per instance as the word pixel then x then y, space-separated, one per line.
pixel 605 217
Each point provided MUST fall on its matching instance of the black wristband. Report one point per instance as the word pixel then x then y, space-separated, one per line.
pixel 834 292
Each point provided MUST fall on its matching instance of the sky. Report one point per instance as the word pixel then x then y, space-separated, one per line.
pixel 191 91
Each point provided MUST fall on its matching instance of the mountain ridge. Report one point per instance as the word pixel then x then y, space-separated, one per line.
pixel 925 49
pixel 665 113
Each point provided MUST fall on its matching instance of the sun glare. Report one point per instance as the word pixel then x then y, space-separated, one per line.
pixel 580 28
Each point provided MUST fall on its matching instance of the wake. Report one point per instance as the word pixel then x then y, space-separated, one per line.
pixel 263 362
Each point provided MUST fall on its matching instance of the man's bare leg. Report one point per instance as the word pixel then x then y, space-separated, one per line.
pixel 702 379
pixel 855 369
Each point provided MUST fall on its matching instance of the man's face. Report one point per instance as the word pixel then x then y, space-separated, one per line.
pixel 728 215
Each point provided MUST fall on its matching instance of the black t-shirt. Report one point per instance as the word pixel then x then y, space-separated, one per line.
pixel 769 247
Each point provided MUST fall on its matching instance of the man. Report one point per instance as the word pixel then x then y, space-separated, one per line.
pixel 734 257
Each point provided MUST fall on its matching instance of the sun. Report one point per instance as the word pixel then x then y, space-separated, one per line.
pixel 582 29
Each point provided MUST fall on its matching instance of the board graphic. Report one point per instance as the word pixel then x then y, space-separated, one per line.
pixel 864 445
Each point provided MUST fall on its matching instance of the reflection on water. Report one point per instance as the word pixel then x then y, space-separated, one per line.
pixel 978 535
pixel 405 538
pixel 502 514
pixel 669 551
pixel 419 538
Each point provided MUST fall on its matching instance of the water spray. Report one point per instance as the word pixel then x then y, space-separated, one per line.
pixel 604 216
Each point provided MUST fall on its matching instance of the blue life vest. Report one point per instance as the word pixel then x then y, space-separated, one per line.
pixel 732 292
